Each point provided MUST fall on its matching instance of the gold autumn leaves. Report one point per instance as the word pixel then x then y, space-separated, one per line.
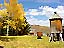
pixel 16 12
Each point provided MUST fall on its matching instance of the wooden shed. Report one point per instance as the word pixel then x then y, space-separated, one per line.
pixel 56 26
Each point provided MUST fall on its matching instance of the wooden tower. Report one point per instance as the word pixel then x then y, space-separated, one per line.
pixel 56 25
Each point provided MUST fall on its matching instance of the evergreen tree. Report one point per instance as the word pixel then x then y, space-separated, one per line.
pixel 26 29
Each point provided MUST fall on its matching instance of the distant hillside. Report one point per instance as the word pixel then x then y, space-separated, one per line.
pixel 43 29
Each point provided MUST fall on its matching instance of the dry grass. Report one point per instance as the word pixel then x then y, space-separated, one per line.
pixel 28 42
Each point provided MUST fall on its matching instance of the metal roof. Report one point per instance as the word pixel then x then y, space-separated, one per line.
pixel 55 16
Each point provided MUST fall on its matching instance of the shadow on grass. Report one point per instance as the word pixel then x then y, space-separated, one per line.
pixel 1 46
pixel 7 39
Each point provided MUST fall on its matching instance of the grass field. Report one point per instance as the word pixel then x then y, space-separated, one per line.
pixel 28 42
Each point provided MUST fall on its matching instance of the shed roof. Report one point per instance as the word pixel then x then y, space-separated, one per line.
pixel 56 16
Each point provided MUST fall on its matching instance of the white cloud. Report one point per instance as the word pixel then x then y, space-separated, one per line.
pixel 44 10
pixel 35 21
pixel 32 12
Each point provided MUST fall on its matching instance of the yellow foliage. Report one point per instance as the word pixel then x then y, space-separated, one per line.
pixel 12 23
pixel 24 24
pixel 8 21
pixel 3 12
pixel 19 29
pixel 14 8
pixel 1 5
pixel 6 5
pixel 1 24
pixel 16 11
pixel 13 2
pixel 14 27
pixel 4 26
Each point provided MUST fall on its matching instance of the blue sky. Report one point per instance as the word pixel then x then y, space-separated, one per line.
pixel 38 12
pixel 36 3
